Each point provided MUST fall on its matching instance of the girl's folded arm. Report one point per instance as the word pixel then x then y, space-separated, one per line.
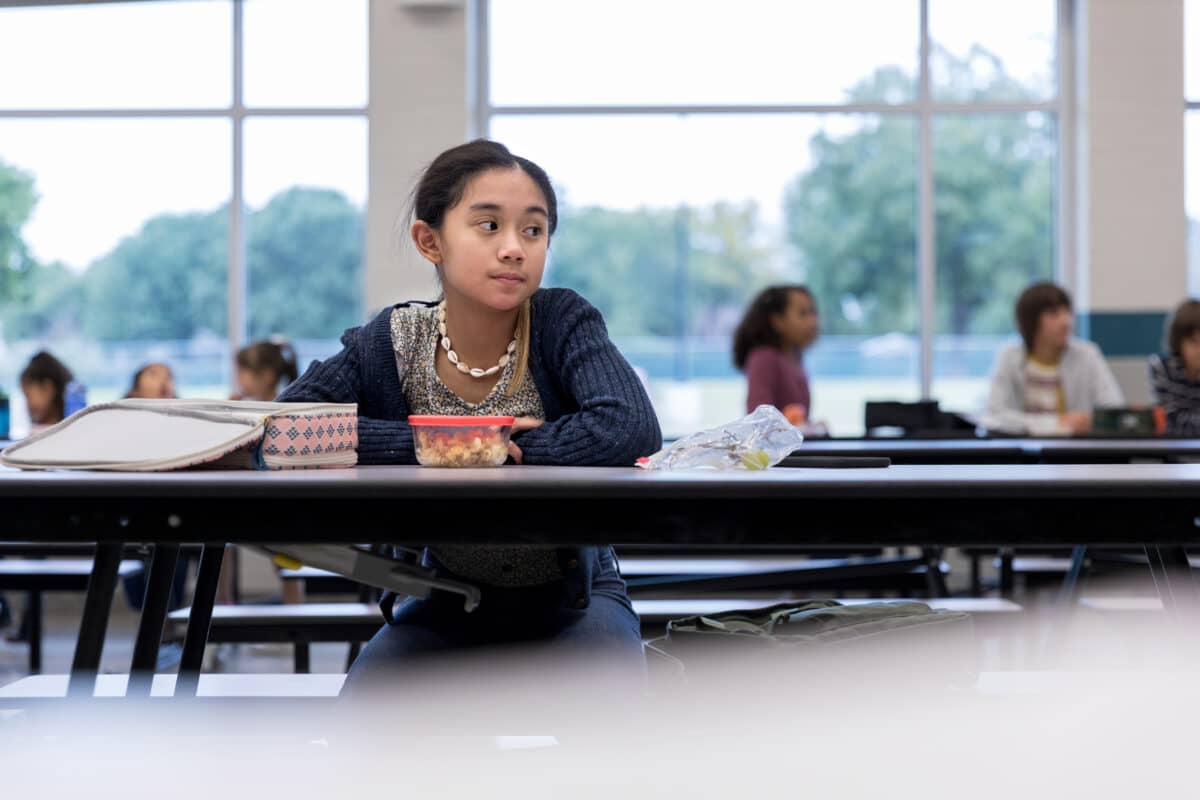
pixel 615 423
pixel 385 441
pixel 338 380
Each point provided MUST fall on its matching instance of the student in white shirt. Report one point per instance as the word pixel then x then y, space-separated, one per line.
pixel 1050 382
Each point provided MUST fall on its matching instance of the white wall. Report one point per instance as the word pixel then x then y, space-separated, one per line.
pixel 1132 227
pixel 420 67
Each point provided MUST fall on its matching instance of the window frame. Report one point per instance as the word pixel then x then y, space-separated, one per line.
pixel 237 113
pixel 923 109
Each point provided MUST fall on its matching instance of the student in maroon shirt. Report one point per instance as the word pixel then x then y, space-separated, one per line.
pixel 769 345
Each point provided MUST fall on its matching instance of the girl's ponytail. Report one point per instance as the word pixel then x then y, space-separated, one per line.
pixel 521 367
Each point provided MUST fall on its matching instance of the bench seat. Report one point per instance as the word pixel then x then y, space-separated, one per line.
pixel 214 685
pixel 298 623
pixel 38 575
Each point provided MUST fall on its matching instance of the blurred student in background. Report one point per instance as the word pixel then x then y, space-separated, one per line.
pixel 1050 382
pixel 1175 375
pixel 264 368
pixel 154 381
pixel 768 346
pixel 44 383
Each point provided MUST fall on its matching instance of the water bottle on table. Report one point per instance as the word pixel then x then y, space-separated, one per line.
pixel 75 398
pixel 4 415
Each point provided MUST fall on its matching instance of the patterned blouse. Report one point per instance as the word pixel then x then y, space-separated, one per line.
pixel 415 342
pixel 1178 394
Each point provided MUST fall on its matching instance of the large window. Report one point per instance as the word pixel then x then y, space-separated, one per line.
pixel 904 169
pixel 195 180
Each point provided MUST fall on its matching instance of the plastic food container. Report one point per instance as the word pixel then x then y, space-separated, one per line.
pixel 445 441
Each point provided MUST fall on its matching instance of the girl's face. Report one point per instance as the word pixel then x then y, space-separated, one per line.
pixel 256 384
pixel 156 381
pixel 1189 351
pixel 39 400
pixel 492 245
pixel 798 324
pixel 1054 328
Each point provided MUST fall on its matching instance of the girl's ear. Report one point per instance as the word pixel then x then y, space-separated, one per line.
pixel 427 241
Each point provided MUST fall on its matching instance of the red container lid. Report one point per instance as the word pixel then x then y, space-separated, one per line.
pixel 418 419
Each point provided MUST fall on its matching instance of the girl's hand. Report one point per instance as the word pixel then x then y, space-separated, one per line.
pixel 795 413
pixel 519 425
pixel 1076 422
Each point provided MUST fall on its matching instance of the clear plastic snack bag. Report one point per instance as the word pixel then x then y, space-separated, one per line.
pixel 758 440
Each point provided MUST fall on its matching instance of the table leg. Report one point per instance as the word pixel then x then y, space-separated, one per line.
pixel 34 612
pixel 352 654
pixel 935 583
pixel 1172 575
pixel 235 580
pixel 94 625
pixel 301 663
pixel 1068 593
pixel 1007 580
pixel 1065 608
pixel 200 619
pixel 163 564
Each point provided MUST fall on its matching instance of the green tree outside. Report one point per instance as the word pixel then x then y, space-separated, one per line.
pixel 165 282
pixel 304 256
pixel 851 220
pixel 849 231
pixel 851 226
pixel 169 281
pixel 17 201
pixel 631 264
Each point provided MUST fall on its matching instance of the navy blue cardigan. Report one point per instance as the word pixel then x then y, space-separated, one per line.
pixel 597 413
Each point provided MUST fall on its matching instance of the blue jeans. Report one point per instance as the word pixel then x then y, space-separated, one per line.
pixel 606 634
pixel 135 585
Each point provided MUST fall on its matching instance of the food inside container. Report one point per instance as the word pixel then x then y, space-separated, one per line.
pixel 453 441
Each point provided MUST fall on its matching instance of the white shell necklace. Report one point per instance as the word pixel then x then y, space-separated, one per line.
pixel 474 372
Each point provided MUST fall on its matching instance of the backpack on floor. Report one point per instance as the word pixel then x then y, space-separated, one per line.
pixel 819 642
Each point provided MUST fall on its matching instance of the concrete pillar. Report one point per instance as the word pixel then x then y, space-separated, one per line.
pixel 1132 231
pixel 421 66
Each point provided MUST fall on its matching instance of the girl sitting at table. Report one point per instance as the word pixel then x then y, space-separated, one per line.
pixel 264 368
pixel 261 370
pixel 1050 382
pixel 1175 375
pixel 154 381
pixel 44 384
pixel 495 344
pixel 768 346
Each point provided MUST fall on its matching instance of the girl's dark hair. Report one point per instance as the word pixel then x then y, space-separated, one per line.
pixel 45 367
pixel 137 376
pixel 272 355
pixel 442 187
pixel 755 329
pixel 1035 301
pixel 445 180
pixel 1184 322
